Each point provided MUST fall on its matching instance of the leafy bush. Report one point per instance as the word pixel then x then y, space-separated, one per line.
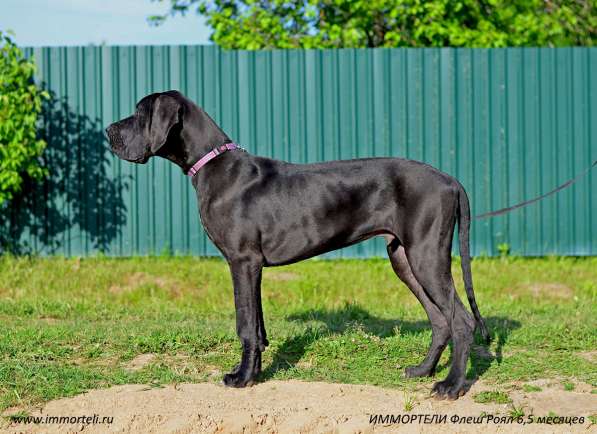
pixel 20 106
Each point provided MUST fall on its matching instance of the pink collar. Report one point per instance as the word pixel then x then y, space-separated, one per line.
pixel 210 156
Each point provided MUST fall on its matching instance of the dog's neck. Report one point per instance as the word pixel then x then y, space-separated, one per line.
pixel 198 135
pixel 202 136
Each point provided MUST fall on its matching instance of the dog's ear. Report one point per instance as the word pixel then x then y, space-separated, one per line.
pixel 164 116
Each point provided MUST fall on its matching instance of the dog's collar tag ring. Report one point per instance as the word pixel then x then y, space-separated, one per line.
pixel 211 155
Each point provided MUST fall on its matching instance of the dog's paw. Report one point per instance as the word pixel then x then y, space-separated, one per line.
pixel 418 371
pixel 449 389
pixel 238 379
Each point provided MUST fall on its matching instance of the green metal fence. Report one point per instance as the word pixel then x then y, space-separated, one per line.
pixel 510 124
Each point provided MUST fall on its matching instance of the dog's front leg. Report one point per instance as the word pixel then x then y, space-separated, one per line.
pixel 246 278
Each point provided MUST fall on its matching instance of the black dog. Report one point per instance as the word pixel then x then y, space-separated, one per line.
pixel 262 212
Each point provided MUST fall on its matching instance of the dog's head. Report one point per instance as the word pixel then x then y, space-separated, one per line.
pixel 142 135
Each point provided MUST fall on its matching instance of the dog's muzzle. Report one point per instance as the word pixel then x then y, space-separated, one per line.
pixel 115 138
pixel 118 146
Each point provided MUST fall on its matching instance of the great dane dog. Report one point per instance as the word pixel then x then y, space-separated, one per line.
pixel 263 212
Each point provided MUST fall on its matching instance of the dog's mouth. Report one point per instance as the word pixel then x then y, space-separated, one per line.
pixel 140 160
pixel 132 159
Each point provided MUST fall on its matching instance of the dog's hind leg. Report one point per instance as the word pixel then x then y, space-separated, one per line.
pixel 430 259
pixel 439 326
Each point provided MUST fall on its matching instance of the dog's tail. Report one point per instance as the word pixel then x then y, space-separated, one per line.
pixel 464 223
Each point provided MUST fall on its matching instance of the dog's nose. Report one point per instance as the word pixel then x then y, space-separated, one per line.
pixel 114 137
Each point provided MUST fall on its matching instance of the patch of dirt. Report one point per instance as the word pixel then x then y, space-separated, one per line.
pixel 591 356
pixel 553 384
pixel 554 290
pixel 110 361
pixel 48 319
pixel 295 406
pixel 76 264
pixel 139 362
pixel 280 276
pixel 181 364
pixel 135 280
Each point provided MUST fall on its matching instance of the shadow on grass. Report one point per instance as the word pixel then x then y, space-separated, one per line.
pixel 338 321
pixel 481 356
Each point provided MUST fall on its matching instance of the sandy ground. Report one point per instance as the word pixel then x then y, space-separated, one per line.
pixel 301 407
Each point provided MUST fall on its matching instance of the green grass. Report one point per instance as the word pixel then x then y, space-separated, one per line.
pixel 531 388
pixel 516 412
pixel 568 386
pixel 492 396
pixel 409 402
pixel 72 325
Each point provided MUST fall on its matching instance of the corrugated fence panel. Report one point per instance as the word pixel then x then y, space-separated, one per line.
pixel 510 124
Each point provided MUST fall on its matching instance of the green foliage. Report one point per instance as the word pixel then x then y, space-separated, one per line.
pixel 503 249
pixel 258 24
pixel 20 106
